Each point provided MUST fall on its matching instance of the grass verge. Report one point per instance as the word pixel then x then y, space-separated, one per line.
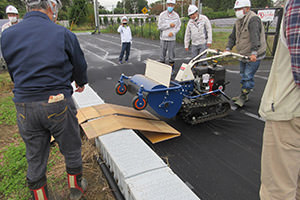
pixel 13 164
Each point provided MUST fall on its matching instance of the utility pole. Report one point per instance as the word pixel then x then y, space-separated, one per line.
pixel 96 13
pixel 124 6
pixel 181 8
pixel 200 6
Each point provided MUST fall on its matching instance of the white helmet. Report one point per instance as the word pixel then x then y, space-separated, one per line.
pixel 192 9
pixel 124 18
pixel 242 4
pixel 11 9
pixel 171 1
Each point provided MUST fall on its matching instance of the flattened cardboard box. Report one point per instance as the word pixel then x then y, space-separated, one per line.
pixel 108 118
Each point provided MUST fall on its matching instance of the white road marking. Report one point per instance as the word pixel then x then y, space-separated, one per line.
pixel 100 57
pixel 252 115
pixel 237 72
pixel 138 42
pixel 139 52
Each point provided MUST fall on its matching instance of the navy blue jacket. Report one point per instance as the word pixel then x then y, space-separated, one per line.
pixel 43 58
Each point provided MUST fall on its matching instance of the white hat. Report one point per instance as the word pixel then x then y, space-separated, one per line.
pixel 124 18
pixel 242 4
pixel 171 1
pixel 192 9
pixel 11 9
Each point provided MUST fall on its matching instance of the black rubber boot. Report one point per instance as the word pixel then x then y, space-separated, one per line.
pixel 38 189
pixel 77 185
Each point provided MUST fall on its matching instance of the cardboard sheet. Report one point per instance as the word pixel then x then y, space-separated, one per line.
pixel 100 110
pixel 111 123
pixel 106 118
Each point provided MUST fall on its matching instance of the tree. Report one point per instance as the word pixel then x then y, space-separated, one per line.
pixel 223 5
pixel 132 6
pixel 3 4
pixel 78 11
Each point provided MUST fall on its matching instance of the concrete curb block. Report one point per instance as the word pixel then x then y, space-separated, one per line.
pixel 139 172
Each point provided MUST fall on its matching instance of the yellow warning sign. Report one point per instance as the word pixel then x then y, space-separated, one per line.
pixel 144 10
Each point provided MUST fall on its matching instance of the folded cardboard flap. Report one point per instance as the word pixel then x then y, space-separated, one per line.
pixel 100 110
pixel 107 118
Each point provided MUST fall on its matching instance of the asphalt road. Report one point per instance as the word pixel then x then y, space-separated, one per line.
pixel 220 159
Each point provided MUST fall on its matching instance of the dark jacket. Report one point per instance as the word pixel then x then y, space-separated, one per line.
pixel 43 58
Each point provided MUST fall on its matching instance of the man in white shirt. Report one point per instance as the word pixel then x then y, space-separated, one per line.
pixel 126 39
pixel 169 24
pixel 198 30
pixel 13 16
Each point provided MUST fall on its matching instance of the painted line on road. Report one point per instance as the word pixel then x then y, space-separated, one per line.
pixel 96 47
pixel 257 76
pixel 252 115
pixel 139 56
pixel 138 42
pixel 100 57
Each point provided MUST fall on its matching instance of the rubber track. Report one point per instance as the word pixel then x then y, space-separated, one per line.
pixel 187 111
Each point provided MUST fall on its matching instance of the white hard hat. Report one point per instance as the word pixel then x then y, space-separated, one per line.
pixel 11 9
pixel 192 9
pixel 124 18
pixel 171 1
pixel 242 4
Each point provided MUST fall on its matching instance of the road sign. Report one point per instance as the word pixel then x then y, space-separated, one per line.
pixel 144 10
pixel 266 15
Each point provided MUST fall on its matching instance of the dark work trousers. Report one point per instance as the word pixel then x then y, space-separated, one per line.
pixel 37 121
pixel 125 47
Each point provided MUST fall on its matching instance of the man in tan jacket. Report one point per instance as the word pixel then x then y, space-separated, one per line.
pixel 280 107
pixel 248 36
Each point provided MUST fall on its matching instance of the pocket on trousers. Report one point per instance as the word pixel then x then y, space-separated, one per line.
pixel 21 113
pixel 57 112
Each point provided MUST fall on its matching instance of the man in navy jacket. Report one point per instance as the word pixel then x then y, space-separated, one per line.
pixel 43 60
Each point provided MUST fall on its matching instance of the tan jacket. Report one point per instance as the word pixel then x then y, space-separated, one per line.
pixel 281 98
pixel 243 42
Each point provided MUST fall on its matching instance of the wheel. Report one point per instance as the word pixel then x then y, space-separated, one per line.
pixel 139 104
pixel 121 90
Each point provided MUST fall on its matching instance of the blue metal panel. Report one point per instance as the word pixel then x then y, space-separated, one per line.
pixel 166 103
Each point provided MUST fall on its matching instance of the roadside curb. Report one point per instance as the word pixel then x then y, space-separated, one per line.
pixel 138 171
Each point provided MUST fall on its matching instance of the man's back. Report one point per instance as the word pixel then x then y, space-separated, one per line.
pixel 39 55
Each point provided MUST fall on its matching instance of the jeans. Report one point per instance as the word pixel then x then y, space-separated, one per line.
pixel 37 121
pixel 165 46
pixel 247 72
pixel 125 47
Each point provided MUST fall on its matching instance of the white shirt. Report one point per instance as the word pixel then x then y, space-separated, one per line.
pixel 125 33
pixel 164 21
pixel 6 25
pixel 199 31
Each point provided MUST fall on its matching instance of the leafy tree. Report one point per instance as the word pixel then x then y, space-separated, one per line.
pixel 105 20
pixel 132 6
pixel 3 4
pixel 223 5
pixel 118 11
pixel 78 11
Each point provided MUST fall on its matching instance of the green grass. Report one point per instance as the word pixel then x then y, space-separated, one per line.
pixel 7 111
pixel 7 107
pixel 13 163
pixel 13 167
